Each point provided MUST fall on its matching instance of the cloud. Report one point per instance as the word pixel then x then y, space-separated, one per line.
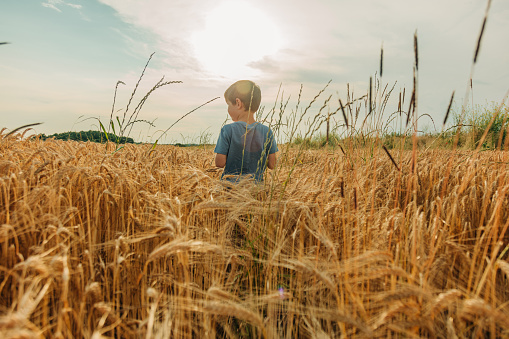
pixel 53 4
pixel 267 65
pixel 171 25
pixel 341 40
pixel 74 6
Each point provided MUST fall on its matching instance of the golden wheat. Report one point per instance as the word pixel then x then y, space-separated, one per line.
pixel 142 243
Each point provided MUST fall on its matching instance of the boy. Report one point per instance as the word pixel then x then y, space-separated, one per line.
pixel 245 147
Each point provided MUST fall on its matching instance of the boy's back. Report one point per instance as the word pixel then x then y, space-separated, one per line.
pixel 247 148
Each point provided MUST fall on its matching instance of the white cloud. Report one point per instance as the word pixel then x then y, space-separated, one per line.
pixel 53 4
pixel 322 40
pixel 172 24
pixel 75 6
pixel 341 40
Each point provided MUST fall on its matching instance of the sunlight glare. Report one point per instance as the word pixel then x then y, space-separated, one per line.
pixel 235 34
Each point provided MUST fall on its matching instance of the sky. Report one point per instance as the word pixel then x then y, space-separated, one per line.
pixel 65 58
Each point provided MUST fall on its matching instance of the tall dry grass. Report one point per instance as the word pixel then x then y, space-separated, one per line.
pixel 151 244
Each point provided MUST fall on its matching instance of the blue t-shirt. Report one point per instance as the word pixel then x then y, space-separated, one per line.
pixel 246 148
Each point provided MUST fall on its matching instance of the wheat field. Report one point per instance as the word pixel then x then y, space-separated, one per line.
pixel 143 243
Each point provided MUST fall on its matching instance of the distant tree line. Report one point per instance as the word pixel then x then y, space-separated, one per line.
pixel 94 136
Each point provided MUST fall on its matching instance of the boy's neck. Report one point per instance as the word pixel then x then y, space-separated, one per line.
pixel 248 118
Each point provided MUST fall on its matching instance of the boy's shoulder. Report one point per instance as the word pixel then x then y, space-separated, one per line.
pixel 242 124
pixel 265 128
pixel 239 128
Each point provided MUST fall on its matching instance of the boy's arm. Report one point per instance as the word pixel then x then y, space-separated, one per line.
pixel 220 160
pixel 222 146
pixel 271 161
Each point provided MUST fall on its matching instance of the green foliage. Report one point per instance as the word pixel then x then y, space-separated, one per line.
pixel 94 136
pixel 477 120
pixel 317 141
pixel 397 140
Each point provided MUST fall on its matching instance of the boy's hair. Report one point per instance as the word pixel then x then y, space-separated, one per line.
pixel 247 91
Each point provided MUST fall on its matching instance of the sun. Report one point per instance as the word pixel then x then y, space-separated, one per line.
pixel 235 34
